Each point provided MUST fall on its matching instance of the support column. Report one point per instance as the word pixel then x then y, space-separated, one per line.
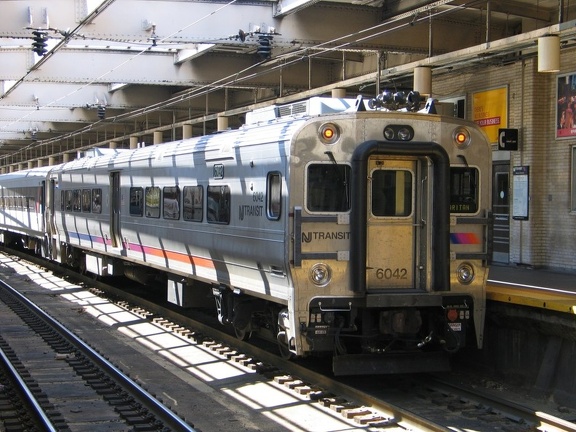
pixel 338 93
pixel 222 123
pixel 133 142
pixel 187 131
pixel 158 138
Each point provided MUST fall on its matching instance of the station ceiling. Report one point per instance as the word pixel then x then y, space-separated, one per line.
pixel 116 69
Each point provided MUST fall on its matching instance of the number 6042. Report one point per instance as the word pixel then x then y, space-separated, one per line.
pixel 391 273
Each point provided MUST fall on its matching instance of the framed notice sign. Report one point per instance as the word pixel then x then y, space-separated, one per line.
pixel 521 193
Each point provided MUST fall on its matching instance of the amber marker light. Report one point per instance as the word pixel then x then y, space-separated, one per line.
pixel 461 137
pixel 329 133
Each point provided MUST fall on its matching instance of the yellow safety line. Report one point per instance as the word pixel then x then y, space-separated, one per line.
pixel 555 302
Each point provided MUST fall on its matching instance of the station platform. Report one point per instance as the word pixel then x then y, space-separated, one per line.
pixel 528 286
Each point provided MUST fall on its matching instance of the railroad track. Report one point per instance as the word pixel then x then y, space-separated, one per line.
pixel 63 382
pixel 370 409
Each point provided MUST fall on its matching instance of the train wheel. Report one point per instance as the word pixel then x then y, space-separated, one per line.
pixel 243 334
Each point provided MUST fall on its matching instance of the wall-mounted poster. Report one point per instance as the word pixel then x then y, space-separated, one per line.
pixel 566 107
pixel 490 111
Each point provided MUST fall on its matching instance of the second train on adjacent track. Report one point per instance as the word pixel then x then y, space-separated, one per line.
pixel 337 226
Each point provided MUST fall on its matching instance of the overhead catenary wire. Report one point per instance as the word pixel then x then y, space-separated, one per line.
pixel 236 78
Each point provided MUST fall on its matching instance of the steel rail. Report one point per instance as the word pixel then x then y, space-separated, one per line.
pixel 163 413
pixel 510 409
pixel 29 398
pixel 400 416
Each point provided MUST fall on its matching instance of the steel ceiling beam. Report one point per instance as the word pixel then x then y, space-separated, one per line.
pixel 153 66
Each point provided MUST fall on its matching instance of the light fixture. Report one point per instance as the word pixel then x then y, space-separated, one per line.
pixel 423 80
pixel 465 273
pixel 549 53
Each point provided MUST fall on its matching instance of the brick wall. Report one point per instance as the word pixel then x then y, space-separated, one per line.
pixel 548 238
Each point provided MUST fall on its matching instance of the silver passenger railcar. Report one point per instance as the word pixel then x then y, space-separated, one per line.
pixel 336 226
pixel 22 208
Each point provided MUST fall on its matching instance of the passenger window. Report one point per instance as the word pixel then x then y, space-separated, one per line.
pixel 328 187
pixel 136 201
pixel 171 202
pixel 218 204
pixel 86 200
pixel 391 193
pixel 463 190
pixel 274 195
pixel 152 202
pixel 68 200
pixel 193 203
pixel 97 200
pixel 76 200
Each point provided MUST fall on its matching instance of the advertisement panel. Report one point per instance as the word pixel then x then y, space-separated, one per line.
pixel 490 111
pixel 566 106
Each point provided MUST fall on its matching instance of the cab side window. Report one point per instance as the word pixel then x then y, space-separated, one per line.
pixel 274 195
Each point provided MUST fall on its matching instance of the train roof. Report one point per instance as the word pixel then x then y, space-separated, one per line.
pixel 309 107
pixel 27 177
pixel 31 172
pixel 276 122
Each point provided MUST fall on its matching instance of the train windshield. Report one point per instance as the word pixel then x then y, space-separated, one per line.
pixel 328 187
pixel 464 183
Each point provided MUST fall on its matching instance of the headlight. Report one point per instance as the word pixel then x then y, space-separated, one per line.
pixel 465 273
pixel 398 133
pixel 389 133
pixel 404 134
pixel 320 274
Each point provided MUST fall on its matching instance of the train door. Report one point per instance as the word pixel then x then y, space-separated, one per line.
pixel 115 200
pixel 49 222
pixel 501 212
pixel 397 233
pixel 398 229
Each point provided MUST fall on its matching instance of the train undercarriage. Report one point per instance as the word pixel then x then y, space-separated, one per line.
pixel 360 339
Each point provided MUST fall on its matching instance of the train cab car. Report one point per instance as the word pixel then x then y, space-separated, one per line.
pixel 390 239
pixel 338 227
